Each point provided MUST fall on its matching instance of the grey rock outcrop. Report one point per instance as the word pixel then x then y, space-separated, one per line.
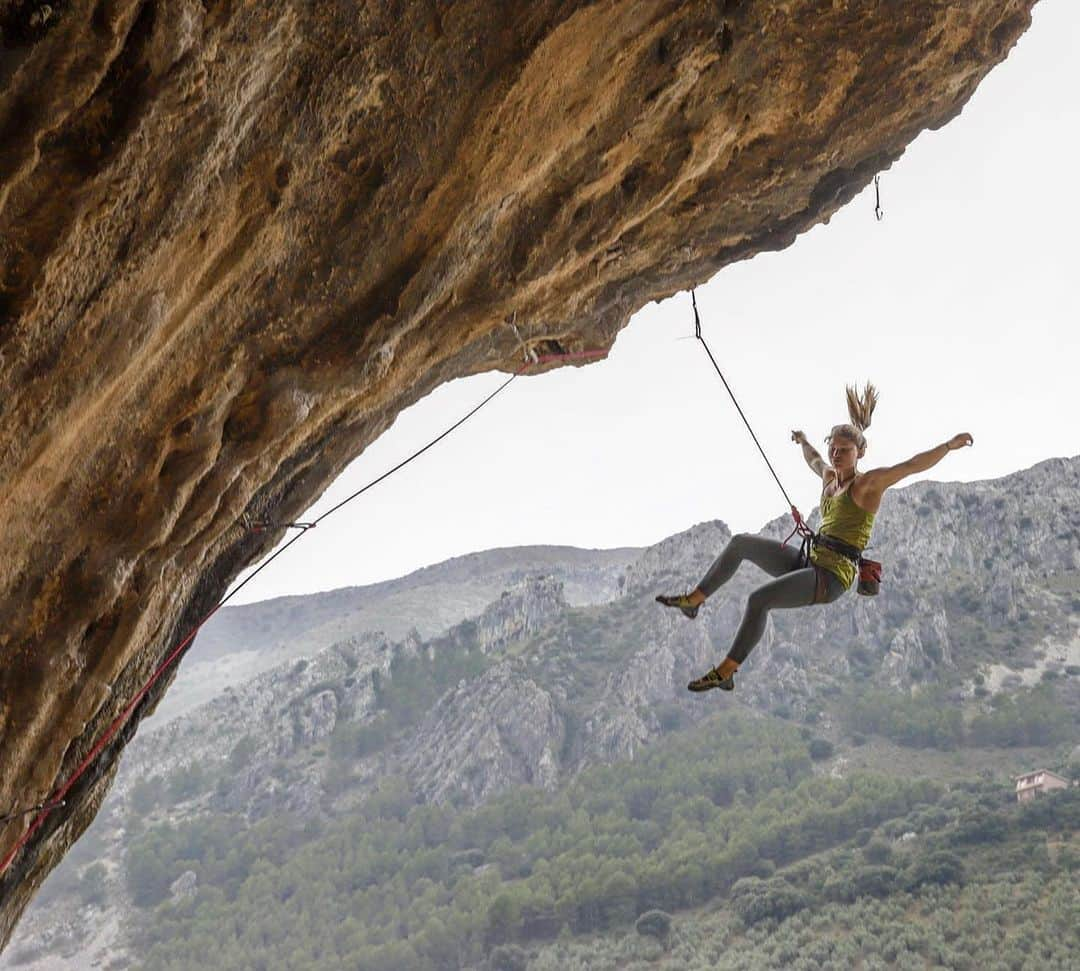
pixel 312 719
pixel 485 736
pixel 918 646
pixel 184 887
pixel 278 711
pixel 676 563
pixel 519 612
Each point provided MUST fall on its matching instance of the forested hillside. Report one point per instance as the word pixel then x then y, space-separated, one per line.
pixel 723 833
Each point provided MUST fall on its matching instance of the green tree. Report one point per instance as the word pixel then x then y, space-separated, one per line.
pixel 755 900
pixel 620 898
pixel 242 753
pixel 508 958
pixel 92 889
pixel 186 782
pixel 877 851
pixel 937 868
pixel 654 923
pixel 148 877
pixel 820 748
pixel 147 795
pixel 503 918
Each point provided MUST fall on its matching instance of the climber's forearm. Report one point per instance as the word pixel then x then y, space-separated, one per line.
pixel 813 458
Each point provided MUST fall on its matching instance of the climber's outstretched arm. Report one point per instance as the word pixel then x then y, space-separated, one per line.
pixel 811 454
pixel 876 481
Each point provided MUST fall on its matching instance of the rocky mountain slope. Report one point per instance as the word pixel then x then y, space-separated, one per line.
pixel 427 601
pixel 240 642
pixel 981 600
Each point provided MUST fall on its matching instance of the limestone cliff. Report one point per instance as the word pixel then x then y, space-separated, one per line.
pixel 237 239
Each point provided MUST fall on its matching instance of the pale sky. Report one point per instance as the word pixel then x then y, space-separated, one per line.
pixel 961 305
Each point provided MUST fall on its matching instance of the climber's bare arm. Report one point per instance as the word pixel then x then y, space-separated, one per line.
pixel 812 456
pixel 876 481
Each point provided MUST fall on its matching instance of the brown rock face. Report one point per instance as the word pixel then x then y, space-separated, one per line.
pixel 236 239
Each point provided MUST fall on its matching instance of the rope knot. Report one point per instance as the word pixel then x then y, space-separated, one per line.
pixel 263 525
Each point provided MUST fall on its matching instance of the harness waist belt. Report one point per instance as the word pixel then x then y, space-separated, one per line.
pixel 852 553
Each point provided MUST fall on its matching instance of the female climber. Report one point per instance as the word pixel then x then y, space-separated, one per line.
pixel 849 501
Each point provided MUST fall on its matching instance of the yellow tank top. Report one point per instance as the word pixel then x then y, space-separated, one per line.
pixel 842 519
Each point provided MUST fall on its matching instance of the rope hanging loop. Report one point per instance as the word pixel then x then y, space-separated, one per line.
pixel 262 526
pixel 800 528
pixel 697 318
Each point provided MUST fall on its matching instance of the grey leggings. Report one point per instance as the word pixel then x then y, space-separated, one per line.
pixel 796 586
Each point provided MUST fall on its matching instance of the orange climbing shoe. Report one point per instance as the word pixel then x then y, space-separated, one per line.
pixel 712 679
pixel 682 602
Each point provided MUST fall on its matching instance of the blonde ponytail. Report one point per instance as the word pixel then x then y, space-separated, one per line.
pixel 860 410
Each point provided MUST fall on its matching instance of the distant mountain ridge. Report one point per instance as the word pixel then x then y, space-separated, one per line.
pixel 588 577
pixel 240 642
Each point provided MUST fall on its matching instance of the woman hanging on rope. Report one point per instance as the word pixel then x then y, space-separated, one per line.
pixel 849 501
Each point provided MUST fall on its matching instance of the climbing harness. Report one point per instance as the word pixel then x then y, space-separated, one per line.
pixel 878 211
pixel 839 547
pixel 254 526
pixel 869 570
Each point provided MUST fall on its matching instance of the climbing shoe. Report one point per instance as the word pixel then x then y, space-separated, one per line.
pixel 682 602
pixel 712 680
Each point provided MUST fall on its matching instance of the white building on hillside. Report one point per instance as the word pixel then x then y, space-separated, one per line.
pixel 1029 785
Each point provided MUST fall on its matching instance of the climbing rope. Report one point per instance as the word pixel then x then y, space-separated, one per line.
pixel 44 809
pixel 800 526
